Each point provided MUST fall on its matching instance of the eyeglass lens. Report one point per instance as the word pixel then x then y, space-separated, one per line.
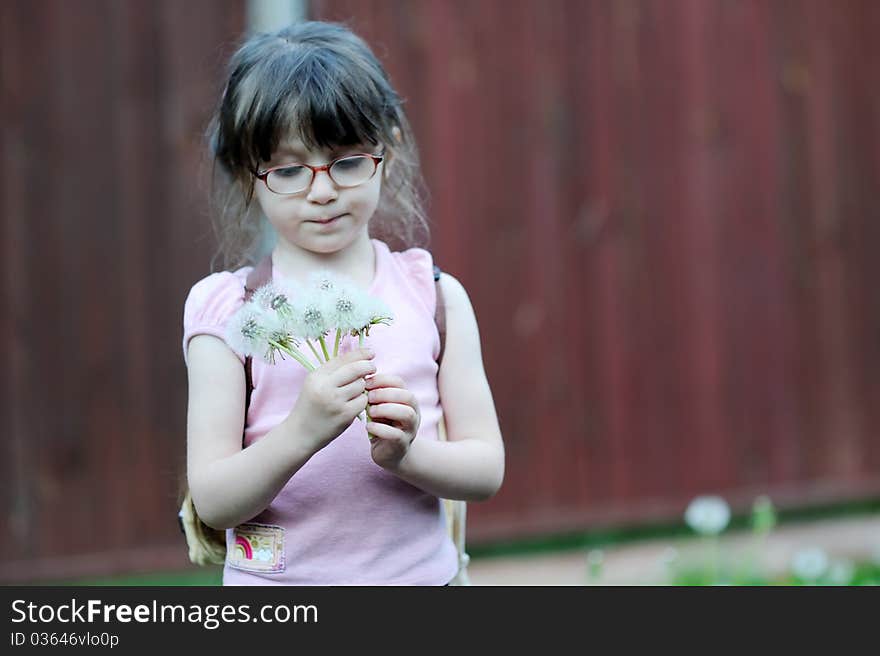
pixel 346 172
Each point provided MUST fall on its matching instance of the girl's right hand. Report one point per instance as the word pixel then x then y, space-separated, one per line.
pixel 332 396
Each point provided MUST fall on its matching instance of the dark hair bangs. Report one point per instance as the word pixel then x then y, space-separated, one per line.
pixel 323 105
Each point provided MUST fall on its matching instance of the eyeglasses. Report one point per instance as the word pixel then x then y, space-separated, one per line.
pixel 348 171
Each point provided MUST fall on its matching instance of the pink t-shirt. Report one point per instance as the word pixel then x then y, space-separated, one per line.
pixel 342 519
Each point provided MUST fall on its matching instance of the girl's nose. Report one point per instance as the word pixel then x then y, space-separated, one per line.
pixel 323 189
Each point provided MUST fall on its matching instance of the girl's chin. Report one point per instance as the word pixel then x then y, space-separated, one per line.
pixel 325 242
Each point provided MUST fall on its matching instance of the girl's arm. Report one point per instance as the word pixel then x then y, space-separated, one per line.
pixel 470 465
pixel 230 485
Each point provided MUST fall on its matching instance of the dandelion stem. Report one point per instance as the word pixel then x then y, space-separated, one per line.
pixel 366 416
pixel 312 346
pixel 714 565
pixel 336 344
pixel 294 353
pixel 324 348
pixel 299 357
pixel 366 412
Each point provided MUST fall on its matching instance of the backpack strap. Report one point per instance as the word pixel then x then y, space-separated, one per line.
pixel 440 314
pixel 259 276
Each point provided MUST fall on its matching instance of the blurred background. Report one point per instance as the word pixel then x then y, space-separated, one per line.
pixel 665 213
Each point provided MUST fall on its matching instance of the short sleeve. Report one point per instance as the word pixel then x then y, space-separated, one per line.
pixel 210 304
pixel 418 267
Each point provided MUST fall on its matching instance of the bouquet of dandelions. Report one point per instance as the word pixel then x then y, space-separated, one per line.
pixel 283 321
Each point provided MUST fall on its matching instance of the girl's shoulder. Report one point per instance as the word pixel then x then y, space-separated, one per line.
pixel 415 268
pixel 214 298
pixel 414 260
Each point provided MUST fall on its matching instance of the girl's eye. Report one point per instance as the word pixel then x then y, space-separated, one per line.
pixel 349 163
pixel 289 172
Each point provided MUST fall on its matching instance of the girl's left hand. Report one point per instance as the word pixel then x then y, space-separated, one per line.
pixel 394 419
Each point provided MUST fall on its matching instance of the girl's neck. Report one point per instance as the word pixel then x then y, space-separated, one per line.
pixel 357 261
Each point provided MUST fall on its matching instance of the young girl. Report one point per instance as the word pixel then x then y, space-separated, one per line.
pixel 312 140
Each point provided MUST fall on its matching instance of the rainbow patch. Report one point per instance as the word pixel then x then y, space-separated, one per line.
pixel 243 548
pixel 257 548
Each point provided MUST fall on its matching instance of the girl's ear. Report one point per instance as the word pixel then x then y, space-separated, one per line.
pixel 396 133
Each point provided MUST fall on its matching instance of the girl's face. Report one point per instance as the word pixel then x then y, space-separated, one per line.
pixel 325 217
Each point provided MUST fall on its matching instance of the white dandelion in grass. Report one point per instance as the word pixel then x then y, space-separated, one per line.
pixel 707 515
pixel 809 563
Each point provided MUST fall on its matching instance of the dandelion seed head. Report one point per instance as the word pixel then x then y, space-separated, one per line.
pixel 707 515
pixel 245 333
pixel 809 563
pixel 348 308
pixel 324 281
pixel 310 320
pixel 313 315
pixel 250 329
pixel 262 297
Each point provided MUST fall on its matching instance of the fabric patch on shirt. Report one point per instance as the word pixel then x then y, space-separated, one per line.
pixel 257 548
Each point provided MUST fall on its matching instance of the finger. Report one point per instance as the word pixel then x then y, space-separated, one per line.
pixel 385 380
pixel 384 431
pixel 353 389
pixel 352 371
pixel 393 412
pixel 391 395
pixel 344 359
pixel 356 405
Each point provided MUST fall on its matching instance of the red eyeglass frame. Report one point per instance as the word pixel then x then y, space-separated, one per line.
pixel 263 175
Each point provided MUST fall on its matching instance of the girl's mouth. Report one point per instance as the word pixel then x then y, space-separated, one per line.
pixel 327 221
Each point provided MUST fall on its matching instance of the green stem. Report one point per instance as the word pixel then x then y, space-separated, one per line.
pixel 336 344
pixel 367 415
pixel 754 565
pixel 311 346
pixel 366 412
pixel 324 348
pixel 295 354
pixel 714 566
pixel 301 358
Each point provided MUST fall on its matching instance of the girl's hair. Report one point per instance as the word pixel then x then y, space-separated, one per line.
pixel 322 83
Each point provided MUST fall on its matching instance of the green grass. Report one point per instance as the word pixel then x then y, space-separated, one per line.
pixel 863 573
pixel 199 577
